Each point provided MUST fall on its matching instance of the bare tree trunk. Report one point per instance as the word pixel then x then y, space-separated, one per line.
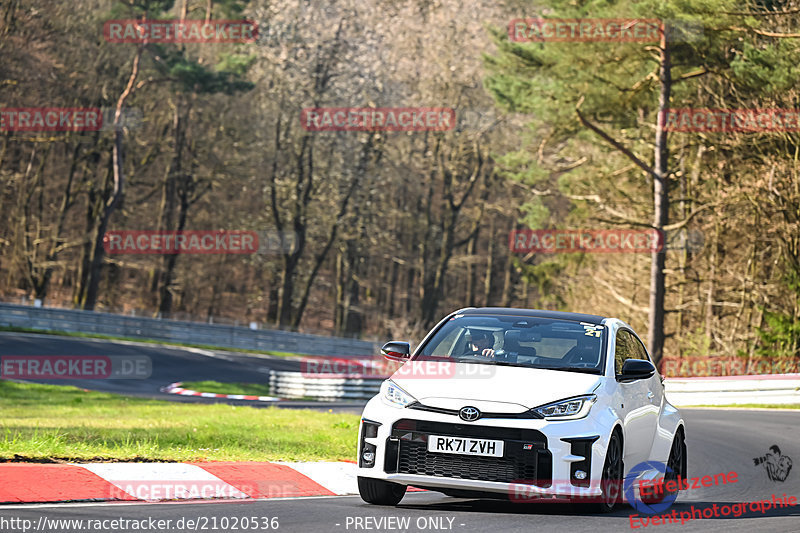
pixel 710 293
pixel 79 295
pixel 339 311
pixel 525 286
pixel 410 277
pixel 660 176
pixel 118 191
pixel 655 335
pixel 434 284
pixel 471 247
pixel 393 280
pixel 176 185
pixel 487 280
pixel 360 173
pixel 55 246
pixel 507 280
pixel 9 16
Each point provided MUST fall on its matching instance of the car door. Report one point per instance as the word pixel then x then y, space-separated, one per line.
pixel 638 417
pixel 655 388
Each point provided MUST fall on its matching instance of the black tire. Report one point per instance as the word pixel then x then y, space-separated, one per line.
pixel 379 492
pixel 676 466
pixel 611 482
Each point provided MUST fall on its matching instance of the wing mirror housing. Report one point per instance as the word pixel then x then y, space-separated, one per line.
pixel 636 369
pixel 396 351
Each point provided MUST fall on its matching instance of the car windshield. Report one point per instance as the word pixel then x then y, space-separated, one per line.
pixel 555 344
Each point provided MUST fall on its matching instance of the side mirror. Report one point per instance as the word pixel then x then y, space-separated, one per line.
pixel 396 351
pixel 636 369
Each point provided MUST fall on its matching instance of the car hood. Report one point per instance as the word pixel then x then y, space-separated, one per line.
pixel 501 388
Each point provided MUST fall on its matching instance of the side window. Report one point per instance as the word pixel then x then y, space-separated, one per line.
pixel 628 347
pixel 622 352
pixel 638 349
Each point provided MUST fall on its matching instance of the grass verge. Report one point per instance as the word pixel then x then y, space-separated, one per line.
pixel 59 423
pixel 252 389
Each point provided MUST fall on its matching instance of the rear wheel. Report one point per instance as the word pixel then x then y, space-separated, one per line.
pixel 379 492
pixel 611 482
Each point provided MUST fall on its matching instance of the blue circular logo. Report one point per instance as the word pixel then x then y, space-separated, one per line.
pixel 638 504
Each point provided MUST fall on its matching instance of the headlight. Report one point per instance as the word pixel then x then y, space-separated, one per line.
pixel 569 409
pixel 394 395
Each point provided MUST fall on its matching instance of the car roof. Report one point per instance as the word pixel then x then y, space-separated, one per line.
pixel 538 313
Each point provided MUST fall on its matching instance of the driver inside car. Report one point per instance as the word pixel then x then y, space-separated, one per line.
pixel 480 344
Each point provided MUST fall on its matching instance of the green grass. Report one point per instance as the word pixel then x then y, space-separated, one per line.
pixel 754 405
pixel 52 422
pixel 253 389
pixel 15 329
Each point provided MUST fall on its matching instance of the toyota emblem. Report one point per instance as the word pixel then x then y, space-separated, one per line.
pixel 470 414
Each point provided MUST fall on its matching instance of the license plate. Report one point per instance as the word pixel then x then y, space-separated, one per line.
pixel 465 446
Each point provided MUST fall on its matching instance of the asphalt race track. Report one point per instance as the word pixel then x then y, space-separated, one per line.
pixel 169 364
pixel 718 441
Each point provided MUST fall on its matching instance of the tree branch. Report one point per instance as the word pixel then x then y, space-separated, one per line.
pixel 641 164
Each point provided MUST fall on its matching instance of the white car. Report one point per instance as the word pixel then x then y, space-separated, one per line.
pixel 523 404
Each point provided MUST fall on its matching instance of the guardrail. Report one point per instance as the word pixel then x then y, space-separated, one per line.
pixel 297 385
pixel 74 320
pixel 728 390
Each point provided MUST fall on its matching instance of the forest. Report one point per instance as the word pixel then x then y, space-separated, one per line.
pixel 378 232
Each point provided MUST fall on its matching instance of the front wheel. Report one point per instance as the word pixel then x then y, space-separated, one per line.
pixel 379 492
pixel 676 466
pixel 611 482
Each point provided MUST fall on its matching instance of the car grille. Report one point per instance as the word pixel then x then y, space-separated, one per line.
pixel 407 453
pixel 415 459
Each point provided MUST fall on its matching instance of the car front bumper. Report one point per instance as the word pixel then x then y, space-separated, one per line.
pixel 541 458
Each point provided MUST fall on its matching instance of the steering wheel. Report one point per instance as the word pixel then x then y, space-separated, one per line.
pixel 508 357
pixel 502 354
